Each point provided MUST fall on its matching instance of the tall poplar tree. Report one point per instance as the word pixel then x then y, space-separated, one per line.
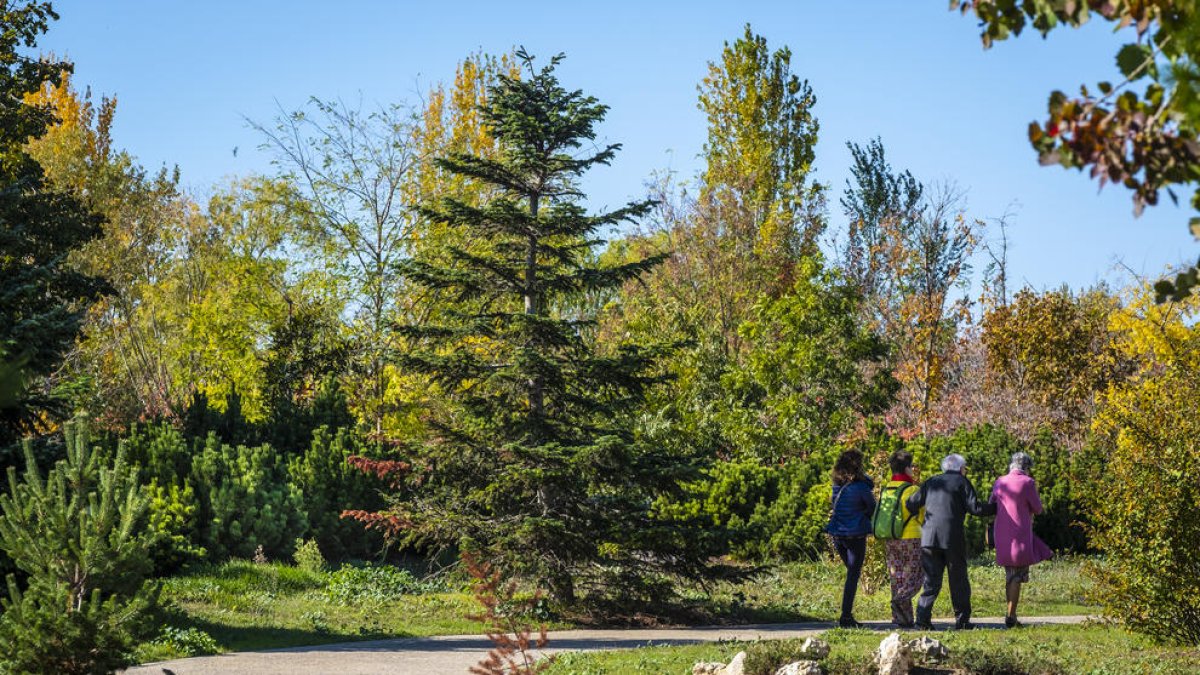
pixel 534 463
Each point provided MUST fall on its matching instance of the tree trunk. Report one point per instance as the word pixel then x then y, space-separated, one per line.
pixel 532 307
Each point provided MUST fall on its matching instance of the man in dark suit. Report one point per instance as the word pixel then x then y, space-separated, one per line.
pixel 947 498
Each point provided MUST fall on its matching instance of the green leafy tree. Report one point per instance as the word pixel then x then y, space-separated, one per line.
pixel 42 298
pixel 536 465
pixel 1141 132
pixel 349 171
pixel 881 205
pixel 741 244
pixel 813 361
pixel 79 533
pixel 761 144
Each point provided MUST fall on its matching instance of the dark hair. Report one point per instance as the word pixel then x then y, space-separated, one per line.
pixel 849 467
pixel 900 460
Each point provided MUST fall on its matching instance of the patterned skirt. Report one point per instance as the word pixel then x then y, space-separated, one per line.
pixel 904 568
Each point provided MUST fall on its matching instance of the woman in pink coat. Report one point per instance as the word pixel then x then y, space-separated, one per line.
pixel 1017 502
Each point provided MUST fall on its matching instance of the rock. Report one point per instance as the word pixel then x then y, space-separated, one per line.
pixel 815 648
pixel 929 648
pixel 893 657
pixel 800 668
pixel 737 666
pixel 708 668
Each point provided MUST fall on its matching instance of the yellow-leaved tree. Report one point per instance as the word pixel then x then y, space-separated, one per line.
pixel 1146 507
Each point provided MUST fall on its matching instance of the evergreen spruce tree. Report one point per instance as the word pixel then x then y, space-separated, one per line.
pixel 534 464
pixel 41 298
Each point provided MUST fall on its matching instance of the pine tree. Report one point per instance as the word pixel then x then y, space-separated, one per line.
pixel 41 298
pixel 79 534
pixel 534 464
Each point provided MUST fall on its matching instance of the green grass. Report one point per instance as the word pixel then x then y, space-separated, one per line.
pixel 1044 650
pixel 246 606
pixel 800 591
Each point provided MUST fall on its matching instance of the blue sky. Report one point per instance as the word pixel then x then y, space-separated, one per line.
pixel 187 73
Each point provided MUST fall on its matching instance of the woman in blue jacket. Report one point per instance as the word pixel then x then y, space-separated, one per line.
pixel 849 522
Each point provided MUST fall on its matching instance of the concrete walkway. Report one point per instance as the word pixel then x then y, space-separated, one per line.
pixel 454 654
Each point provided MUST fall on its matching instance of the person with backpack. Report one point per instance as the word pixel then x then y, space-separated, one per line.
pixel 1017 547
pixel 947 497
pixel 849 524
pixel 900 530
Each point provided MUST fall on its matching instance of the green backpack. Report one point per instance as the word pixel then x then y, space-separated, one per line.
pixel 889 521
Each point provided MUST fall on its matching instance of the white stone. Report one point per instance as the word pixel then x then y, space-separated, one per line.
pixel 800 668
pixel 815 648
pixel 893 657
pixel 929 648
pixel 737 666
pixel 708 668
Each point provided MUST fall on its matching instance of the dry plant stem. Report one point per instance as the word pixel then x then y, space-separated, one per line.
pixel 510 635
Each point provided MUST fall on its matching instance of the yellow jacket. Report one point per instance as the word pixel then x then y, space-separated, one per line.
pixel 913 529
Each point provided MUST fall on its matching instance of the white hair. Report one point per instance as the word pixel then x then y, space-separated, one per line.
pixel 953 462
pixel 1021 462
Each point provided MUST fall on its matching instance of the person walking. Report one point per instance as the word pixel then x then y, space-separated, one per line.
pixel 947 498
pixel 900 530
pixel 1017 547
pixel 849 523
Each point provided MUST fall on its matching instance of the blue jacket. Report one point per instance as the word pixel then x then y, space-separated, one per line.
pixel 853 504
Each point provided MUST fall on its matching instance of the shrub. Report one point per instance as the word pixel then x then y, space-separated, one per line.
pixel 184 642
pixel 246 500
pixel 172 517
pixel 355 585
pixel 79 533
pixel 308 556
pixel 1147 507
pixel 330 486
pixel 96 636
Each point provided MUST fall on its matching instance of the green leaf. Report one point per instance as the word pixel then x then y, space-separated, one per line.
pixel 1131 61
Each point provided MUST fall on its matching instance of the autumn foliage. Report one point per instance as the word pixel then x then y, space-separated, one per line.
pixel 504 614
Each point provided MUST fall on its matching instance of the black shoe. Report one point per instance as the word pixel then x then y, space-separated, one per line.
pixel 923 626
pixel 849 623
pixel 1011 622
pixel 904 626
pixel 965 625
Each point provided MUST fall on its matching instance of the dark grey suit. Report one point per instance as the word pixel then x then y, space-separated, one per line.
pixel 947 498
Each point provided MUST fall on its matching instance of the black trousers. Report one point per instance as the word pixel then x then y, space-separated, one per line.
pixel 852 551
pixel 935 561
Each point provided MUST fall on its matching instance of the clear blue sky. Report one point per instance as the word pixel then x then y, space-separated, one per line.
pixel 186 73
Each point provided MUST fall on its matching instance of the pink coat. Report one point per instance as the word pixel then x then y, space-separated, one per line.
pixel 1017 501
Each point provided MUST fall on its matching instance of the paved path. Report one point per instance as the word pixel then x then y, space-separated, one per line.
pixel 454 654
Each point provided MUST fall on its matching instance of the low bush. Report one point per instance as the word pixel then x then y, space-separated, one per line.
pixel 370 583
pixel 184 642
pixel 308 556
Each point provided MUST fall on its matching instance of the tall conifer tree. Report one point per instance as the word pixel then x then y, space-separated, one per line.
pixel 41 297
pixel 534 463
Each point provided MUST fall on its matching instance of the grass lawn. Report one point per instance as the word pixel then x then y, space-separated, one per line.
pixel 246 606
pixel 799 591
pixel 1041 650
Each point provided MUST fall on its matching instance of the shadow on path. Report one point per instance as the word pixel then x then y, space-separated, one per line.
pixel 456 653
